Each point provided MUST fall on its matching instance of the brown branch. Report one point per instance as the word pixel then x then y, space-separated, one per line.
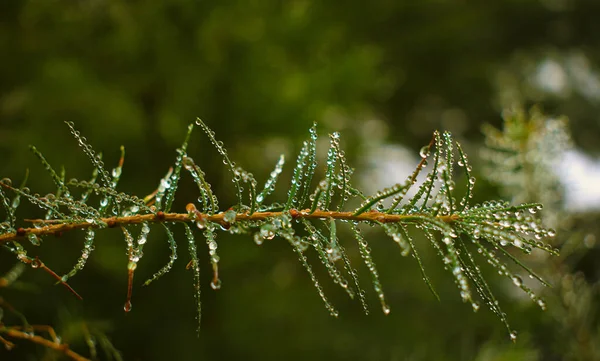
pixel 36 263
pixel 15 332
pixel 55 228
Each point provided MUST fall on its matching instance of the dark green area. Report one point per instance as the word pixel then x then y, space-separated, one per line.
pixel 260 73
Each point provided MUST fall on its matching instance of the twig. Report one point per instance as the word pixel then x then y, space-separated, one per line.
pixel 15 332
pixel 54 229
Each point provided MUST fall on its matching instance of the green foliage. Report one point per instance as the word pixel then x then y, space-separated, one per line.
pixel 489 228
pixel 463 235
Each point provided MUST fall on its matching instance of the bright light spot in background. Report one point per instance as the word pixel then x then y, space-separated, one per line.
pixel 573 71
pixel 386 165
pixel 551 76
pixel 580 175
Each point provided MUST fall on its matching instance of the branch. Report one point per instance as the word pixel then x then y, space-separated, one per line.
pixel 111 222
pixel 15 332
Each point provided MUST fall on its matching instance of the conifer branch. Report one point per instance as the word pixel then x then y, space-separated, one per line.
pixel 435 210
pixel 16 332
pixel 59 228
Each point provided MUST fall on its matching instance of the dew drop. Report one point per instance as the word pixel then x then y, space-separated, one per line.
pixel 517 281
pixel 513 336
pixel 258 239
pixel 542 304
pixel 201 223
pixel 229 216
pixel 424 152
pixel 215 284
pixel 127 306
pixel 33 239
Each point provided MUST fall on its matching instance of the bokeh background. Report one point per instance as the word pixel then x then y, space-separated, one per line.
pixel 383 73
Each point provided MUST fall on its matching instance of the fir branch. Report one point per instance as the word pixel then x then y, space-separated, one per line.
pixel 433 211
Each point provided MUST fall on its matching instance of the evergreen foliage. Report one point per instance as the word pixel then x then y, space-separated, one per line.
pixel 463 235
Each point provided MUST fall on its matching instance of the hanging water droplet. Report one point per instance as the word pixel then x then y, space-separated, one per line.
pixel 258 239
pixel 215 284
pixel 386 309
pixel 424 151
pixel 127 306
pixel 201 223
pixel 513 336
pixel 267 232
pixel 229 216
pixel 33 239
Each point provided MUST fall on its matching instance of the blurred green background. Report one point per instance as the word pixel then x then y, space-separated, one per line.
pixel 259 73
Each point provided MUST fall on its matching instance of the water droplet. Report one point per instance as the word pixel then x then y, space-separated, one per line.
pixel 424 152
pixel 267 232
pixel 517 280
pixel 229 216
pixel 542 304
pixel 127 306
pixel 33 239
pixel 513 336
pixel 258 239
pixel 201 223
pixel 215 284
